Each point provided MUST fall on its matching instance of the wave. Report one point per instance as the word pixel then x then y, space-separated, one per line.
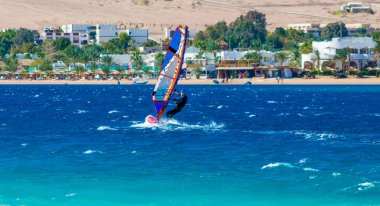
pixel 81 111
pixel 101 128
pixel 70 194
pixel 174 125
pixel 310 169
pixel 113 111
pixel 365 186
pixel 287 165
pixel 316 135
pixel 303 161
pixel 336 174
pixel 277 164
pixel 91 152
pixel 361 187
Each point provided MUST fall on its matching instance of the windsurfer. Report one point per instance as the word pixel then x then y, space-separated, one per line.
pixel 180 103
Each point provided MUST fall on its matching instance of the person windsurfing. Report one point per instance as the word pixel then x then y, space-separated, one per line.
pixel 180 103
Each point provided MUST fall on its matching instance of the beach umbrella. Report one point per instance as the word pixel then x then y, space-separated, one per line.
pixel 353 69
pixel 307 70
pixel 99 71
pixel 35 72
pixel 55 72
pixel 114 72
pixel 4 72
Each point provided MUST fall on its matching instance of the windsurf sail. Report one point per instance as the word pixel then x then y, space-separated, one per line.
pixel 170 70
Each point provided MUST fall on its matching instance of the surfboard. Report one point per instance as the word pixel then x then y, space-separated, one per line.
pixel 151 120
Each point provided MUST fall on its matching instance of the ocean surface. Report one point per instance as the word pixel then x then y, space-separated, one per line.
pixel 231 145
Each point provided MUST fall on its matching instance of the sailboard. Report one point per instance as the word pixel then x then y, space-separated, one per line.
pixel 170 71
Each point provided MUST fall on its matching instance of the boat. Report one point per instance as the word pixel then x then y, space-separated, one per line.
pixel 139 81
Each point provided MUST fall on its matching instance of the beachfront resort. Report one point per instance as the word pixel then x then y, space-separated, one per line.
pixel 219 53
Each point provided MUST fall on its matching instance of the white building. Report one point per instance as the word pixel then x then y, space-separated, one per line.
pixel 139 35
pixel 316 29
pixel 312 28
pixel 360 51
pixel 76 38
pixel 81 28
pixel 356 7
pixel 105 32
pixel 170 32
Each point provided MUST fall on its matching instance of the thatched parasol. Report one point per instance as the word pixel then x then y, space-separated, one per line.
pixel 307 70
pixel 99 71
pixel 114 72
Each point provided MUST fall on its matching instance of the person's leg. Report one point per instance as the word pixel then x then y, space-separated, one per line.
pixel 172 112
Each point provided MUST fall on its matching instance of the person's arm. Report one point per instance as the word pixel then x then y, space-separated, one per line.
pixel 176 92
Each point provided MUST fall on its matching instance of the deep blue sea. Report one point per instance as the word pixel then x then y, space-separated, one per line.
pixel 231 145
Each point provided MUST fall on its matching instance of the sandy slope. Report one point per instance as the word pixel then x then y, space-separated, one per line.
pixel 159 14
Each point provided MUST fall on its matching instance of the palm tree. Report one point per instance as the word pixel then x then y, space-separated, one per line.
pixel 316 58
pixel 73 53
pixel 137 59
pixel 254 57
pixel 11 64
pixel 85 57
pixel 281 56
pixel 159 58
pixel 159 61
pixel 93 51
pixel 107 61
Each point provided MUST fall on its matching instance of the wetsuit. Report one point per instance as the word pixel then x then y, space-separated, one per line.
pixel 181 102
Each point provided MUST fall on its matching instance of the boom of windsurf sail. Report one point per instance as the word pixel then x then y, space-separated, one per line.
pixel 170 70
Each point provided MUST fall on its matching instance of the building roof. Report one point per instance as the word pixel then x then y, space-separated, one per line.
pixel 346 42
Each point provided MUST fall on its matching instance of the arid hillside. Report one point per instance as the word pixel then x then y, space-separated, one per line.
pixel 159 14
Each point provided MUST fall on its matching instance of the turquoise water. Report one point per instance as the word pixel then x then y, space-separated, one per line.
pixel 231 145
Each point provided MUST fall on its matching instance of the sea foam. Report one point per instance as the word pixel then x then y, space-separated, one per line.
pixel 277 164
pixel 174 125
pixel 101 128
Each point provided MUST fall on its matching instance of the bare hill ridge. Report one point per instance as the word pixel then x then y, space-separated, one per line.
pixel 159 14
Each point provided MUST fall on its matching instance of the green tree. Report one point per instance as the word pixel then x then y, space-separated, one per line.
pixel 137 60
pixel 93 51
pixel 332 30
pixel 48 51
pixel 254 57
pixel 124 40
pixel 200 45
pixel 107 61
pixel 159 59
pixel 6 42
pixel 73 53
pixel 24 36
pixel 28 48
pixel 150 43
pixel 376 36
pixel 281 56
pixel 361 32
pixel 316 58
pixel 306 47
pixel 61 43
pixel 11 63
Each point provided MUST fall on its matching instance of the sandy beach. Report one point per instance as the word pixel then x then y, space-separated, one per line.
pixel 254 81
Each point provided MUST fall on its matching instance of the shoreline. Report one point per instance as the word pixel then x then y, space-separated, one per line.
pixel 254 81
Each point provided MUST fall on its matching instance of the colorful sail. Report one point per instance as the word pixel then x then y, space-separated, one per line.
pixel 170 70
